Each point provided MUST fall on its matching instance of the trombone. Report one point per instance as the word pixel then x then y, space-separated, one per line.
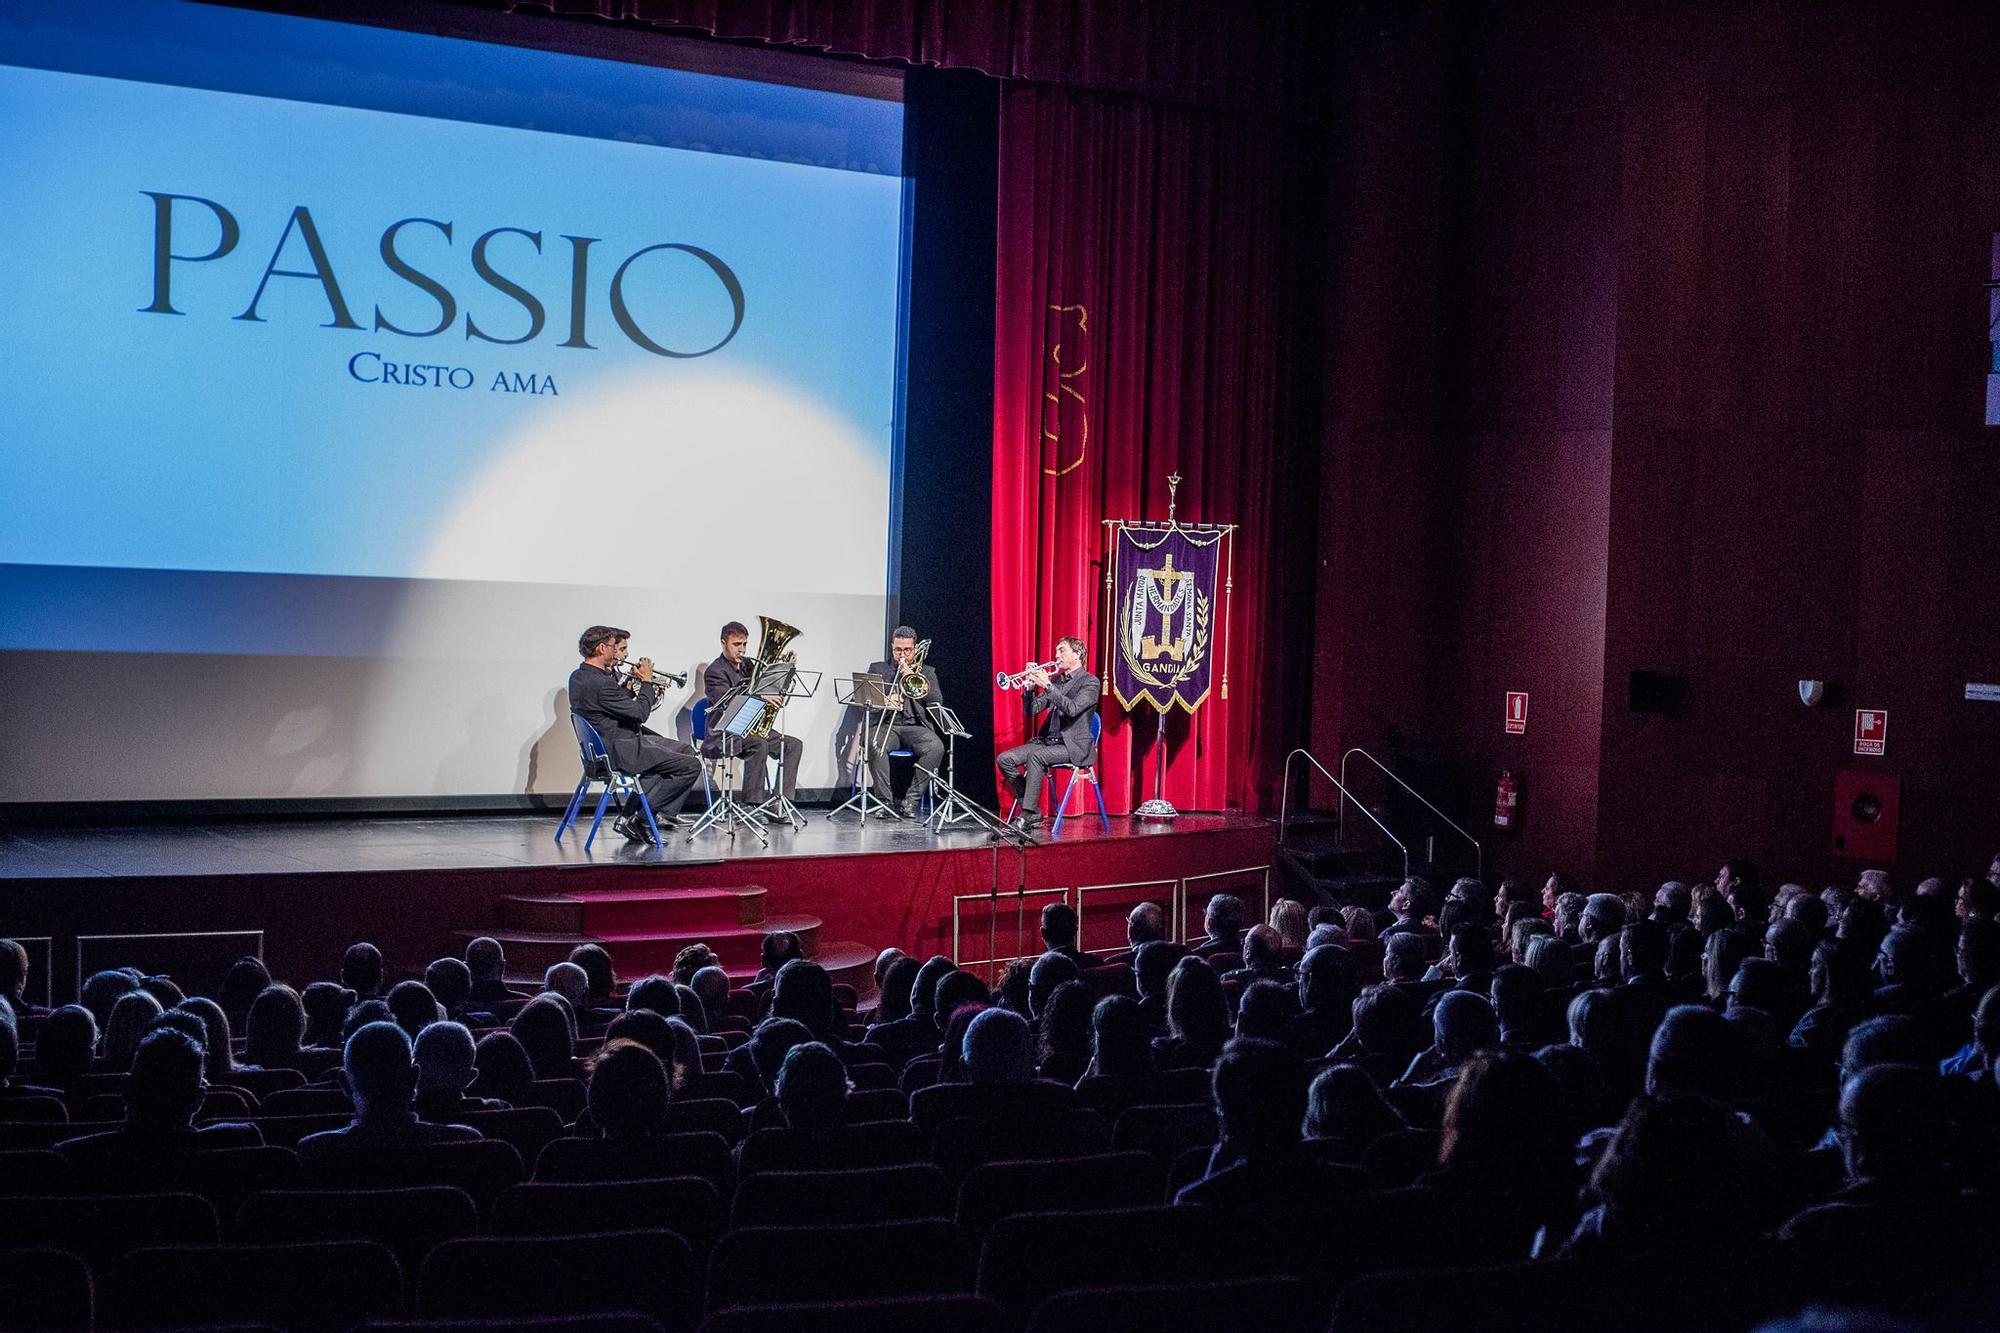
pixel 1019 680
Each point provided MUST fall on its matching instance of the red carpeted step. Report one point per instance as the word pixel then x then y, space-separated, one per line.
pixel 850 964
pixel 597 911
pixel 638 952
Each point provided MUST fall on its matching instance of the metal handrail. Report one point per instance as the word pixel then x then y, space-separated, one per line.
pixel 1285 805
pixel 1478 852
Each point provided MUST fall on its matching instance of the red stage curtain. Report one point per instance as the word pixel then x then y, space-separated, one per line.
pixel 1181 50
pixel 1138 320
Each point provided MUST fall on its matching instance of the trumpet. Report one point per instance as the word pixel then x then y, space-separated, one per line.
pixel 1019 680
pixel 658 684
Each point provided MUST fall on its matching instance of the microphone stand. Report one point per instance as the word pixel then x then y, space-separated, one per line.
pixel 1001 830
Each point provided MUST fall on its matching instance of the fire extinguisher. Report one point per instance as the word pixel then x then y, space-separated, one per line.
pixel 1506 801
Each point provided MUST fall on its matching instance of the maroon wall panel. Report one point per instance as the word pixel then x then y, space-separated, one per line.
pixel 1708 378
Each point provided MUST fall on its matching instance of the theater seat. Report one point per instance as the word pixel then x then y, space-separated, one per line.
pixel 717 1115
pixel 409 1221
pixel 34 1171
pixel 960 1145
pixel 528 1128
pixel 1031 1256
pixel 866 1105
pixel 45 1288
pixel 768 1265
pixel 496 1277
pixel 1166 1131
pixel 482 1168
pixel 879 1143
pixel 703 1154
pixel 688 1206
pixel 592 1323
pixel 1238 1305
pixel 33 1108
pixel 871 1194
pixel 1105 1180
pixel 101 1227
pixel 326 1285
pixel 900 1314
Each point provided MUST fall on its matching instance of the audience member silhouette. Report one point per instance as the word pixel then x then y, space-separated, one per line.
pixel 131 1015
pixel 446 1067
pixel 274 1031
pixel 1064 1053
pixel 543 1029
pixel 505 1071
pixel 449 981
pixel 380 1076
pixel 413 1007
pixel 151 1148
pixel 1197 1017
pixel 361 970
pixel 1059 927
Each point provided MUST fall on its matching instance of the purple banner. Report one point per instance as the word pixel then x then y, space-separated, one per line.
pixel 1164 615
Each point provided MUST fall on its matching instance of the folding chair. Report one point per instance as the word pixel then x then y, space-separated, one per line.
pixel 1083 772
pixel 597 767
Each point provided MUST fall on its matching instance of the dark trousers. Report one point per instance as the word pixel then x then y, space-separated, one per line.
pixel 756 752
pixel 1027 768
pixel 670 771
pixel 923 745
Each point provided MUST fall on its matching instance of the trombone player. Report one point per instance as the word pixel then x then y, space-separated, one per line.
pixel 733 671
pixel 911 729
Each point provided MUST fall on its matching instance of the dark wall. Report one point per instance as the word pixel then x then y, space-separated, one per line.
pixel 1701 395
pixel 951 153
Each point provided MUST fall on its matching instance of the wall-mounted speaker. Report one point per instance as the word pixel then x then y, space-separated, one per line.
pixel 1656 692
pixel 1867 810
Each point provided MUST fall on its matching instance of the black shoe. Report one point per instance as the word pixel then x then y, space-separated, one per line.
pixel 886 811
pixel 909 808
pixel 634 830
pixel 1027 821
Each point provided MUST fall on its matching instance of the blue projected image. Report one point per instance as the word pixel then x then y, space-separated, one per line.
pixel 279 342
pixel 383 353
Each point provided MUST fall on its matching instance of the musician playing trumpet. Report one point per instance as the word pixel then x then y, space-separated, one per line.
pixel 733 671
pixel 667 770
pixel 1064 703
pixel 912 728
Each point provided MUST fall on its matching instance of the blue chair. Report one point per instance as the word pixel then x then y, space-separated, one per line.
pixel 597 767
pixel 700 740
pixel 858 772
pixel 1083 772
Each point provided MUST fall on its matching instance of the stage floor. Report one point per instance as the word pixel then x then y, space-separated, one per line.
pixel 187 898
pixel 493 842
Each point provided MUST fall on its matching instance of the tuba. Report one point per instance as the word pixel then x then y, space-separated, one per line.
pixel 772 649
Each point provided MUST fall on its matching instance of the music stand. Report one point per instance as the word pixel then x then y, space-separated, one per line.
pixel 868 692
pixel 947 806
pixel 730 710
pixel 788 682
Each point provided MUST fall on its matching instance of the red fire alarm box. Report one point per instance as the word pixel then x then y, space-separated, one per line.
pixel 1867 807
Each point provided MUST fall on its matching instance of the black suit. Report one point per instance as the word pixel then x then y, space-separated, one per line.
pixel 911 730
pixel 1066 708
pixel 718 680
pixel 667 770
